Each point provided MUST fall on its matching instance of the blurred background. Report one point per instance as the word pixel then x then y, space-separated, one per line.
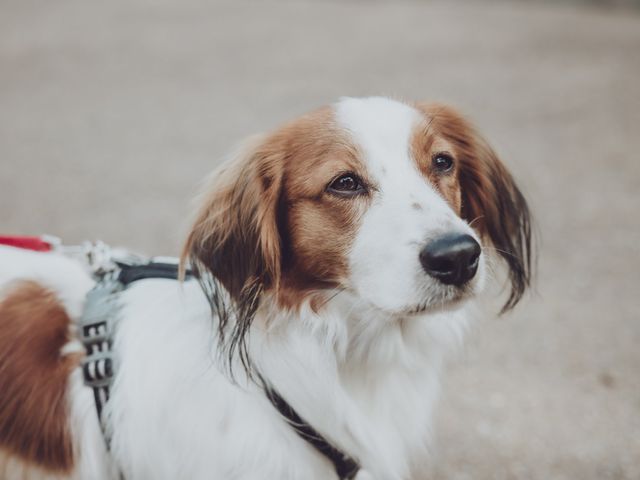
pixel 111 114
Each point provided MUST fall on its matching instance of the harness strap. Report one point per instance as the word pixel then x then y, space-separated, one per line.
pixel 132 273
pixel 97 323
pixel 97 327
pixel 346 467
pixel 96 334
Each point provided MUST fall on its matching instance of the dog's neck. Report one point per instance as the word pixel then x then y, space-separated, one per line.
pixel 363 378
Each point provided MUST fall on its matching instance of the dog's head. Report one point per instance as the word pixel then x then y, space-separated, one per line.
pixel 390 201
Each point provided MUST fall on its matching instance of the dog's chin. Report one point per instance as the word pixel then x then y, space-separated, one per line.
pixel 448 302
pixel 445 299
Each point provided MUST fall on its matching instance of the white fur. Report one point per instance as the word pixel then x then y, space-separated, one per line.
pixel 384 263
pixel 360 371
pixel 67 278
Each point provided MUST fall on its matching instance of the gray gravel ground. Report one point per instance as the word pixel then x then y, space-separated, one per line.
pixel 112 112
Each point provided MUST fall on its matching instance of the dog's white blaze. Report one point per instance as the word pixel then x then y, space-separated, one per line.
pixel 384 261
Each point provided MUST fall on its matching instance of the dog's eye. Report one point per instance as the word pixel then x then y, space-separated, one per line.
pixel 442 162
pixel 347 184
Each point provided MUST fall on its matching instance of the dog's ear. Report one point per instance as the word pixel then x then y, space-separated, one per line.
pixel 235 242
pixel 235 236
pixel 491 201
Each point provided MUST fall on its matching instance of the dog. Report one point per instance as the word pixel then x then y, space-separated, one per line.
pixel 334 263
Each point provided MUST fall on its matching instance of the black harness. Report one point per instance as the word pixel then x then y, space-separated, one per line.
pixel 97 326
pixel 346 467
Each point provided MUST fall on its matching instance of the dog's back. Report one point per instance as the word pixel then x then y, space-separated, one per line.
pixel 40 295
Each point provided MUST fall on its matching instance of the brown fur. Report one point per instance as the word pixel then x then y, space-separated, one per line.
pixel 269 225
pixel 425 145
pixel 34 408
pixel 269 217
pixel 318 228
pixel 490 199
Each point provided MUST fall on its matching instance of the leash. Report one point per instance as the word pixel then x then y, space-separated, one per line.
pixel 114 270
pixel 345 466
pixel 38 244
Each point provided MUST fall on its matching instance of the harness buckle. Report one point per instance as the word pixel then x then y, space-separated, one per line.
pixel 98 257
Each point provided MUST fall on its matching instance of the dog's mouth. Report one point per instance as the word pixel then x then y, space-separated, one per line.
pixel 443 298
pixel 449 301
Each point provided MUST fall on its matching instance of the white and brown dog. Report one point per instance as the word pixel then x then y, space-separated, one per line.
pixel 339 255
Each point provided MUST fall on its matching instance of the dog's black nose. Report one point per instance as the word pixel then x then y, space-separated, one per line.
pixel 452 259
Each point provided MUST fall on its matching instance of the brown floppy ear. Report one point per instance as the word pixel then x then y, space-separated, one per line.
pixel 234 245
pixel 491 200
